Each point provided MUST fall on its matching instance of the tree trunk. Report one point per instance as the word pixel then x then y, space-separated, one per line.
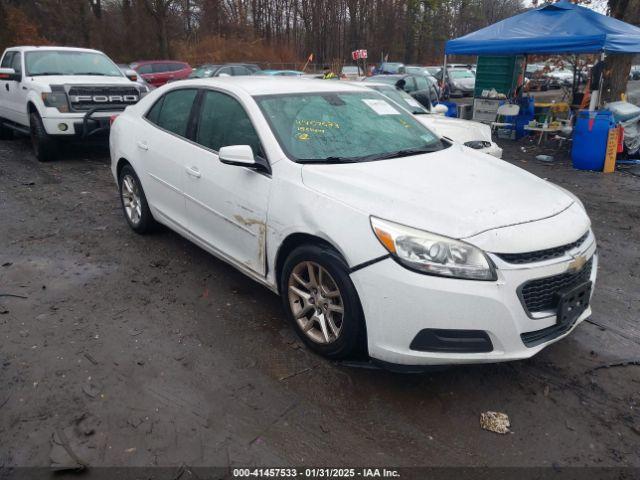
pixel 617 67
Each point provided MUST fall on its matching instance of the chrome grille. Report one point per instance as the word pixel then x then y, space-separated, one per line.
pixel 541 294
pixel 541 255
pixel 101 91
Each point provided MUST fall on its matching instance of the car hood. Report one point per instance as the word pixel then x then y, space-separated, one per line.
pixel 80 80
pixel 456 129
pixel 455 192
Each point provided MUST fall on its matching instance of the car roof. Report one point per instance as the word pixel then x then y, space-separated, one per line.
pixel 264 85
pixel 70 49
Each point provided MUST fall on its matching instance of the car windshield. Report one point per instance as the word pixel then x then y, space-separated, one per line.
pixel 402 98
pixel 63 62
pixel 344 127
pixel 350 70
pixel 461 74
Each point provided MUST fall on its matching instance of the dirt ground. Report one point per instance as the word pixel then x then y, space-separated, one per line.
pixel 145 351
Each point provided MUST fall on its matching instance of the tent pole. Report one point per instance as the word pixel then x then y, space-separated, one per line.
pixel 444 73
pixel 601 84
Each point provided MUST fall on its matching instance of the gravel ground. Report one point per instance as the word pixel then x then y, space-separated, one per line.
pixel 145 351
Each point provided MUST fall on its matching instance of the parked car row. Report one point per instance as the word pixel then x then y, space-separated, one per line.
pixel 383 237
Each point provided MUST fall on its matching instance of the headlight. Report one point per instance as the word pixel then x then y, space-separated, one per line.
pixel 56 100
pixel 433 254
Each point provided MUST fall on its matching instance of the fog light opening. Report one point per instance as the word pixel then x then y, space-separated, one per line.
pixel 63 127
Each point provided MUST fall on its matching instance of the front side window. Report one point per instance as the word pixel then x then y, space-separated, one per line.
pixel 224 122
pixel 69 62
pixel 16 63
pixel 173 110
pixel 7 60
pixel 344 126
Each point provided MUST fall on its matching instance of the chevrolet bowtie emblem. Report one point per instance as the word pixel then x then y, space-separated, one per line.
pixel 577 263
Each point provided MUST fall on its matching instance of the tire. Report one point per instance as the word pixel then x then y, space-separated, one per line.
pixel 45 148
pixel 323 306
pixel 5 132
pixel 134 202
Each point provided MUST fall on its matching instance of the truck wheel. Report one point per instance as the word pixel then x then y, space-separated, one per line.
pixel 5 132
pixel 45 148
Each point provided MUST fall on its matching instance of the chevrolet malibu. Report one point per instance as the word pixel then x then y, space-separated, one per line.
pixel 381 238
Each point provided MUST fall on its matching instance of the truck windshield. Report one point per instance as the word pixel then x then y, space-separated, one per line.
pixel 69 62
pixel 337 127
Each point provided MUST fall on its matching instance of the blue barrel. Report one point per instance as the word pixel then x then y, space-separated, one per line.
pixel 590 137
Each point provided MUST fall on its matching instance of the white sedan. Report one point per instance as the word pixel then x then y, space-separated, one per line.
pixel 381 238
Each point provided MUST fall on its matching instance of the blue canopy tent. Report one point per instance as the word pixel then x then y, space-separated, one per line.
pixel 557 28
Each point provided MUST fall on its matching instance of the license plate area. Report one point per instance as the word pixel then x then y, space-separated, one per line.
pixel 573 302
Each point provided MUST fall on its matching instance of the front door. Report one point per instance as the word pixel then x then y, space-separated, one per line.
pixel 227 205
pixel 13 105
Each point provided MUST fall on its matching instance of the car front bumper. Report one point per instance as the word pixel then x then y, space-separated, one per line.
pixel 82 125
pixel 398 304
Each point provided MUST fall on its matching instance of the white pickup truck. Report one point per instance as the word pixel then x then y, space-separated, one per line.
pixel 56 93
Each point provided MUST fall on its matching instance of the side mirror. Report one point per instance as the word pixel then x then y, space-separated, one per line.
pixel 131 75
pixel 440 109
pixel 9 74
pixel 239 155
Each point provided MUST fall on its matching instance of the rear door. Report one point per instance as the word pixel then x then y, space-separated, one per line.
pixel 227 205
pixel 163 150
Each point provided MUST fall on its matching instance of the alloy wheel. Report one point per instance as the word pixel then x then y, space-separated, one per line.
pixel 131 199
pixel 316 302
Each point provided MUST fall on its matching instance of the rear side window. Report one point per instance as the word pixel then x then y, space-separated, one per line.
pixel 223 122
pixel 422 83
pixel 7 59
pixel 172 111
pixel 238 71
pixel 177 66
pixel 159 67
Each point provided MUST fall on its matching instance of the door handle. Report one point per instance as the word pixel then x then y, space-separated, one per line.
pixel 194 172
pixel 143 146
pixel 6 85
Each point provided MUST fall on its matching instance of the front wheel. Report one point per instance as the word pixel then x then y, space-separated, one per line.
pixel 45 148
pixel 322 303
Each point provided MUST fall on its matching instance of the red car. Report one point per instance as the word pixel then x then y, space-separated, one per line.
pixel 159 72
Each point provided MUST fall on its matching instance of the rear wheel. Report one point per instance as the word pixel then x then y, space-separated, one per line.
pixel 322 303
pixel 134 202
pixel 44 146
